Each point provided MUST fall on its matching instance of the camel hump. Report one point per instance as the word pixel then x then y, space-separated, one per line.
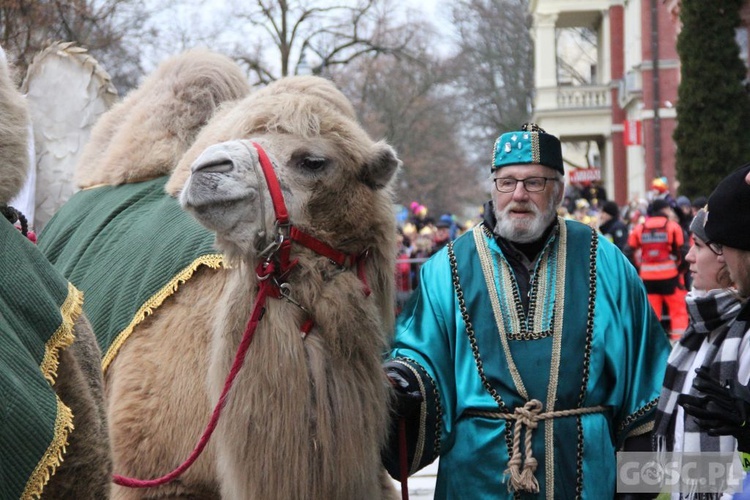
pixel 144 135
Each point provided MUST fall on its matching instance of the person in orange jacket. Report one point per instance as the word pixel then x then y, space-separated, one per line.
pixel 661 242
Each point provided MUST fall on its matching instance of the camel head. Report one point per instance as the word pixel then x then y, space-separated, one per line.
pixel 224 192
pixel 14 129
pixel 335 180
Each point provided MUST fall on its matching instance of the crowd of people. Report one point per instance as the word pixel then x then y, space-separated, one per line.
pixel 654 234
pixel 420 237
pixel 533 347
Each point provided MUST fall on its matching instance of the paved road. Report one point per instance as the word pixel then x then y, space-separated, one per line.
pixel 422 484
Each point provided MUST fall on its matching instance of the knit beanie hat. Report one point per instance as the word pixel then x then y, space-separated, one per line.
pixel 660 185
pixel 683 201
pixel 728 211
pixel 530 145
pixel 697 225
pixel 611 208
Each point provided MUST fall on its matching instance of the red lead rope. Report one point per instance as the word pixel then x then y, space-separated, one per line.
pixel 239 359
pixel 403 459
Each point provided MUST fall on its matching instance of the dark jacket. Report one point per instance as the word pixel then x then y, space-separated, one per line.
pixel 615 231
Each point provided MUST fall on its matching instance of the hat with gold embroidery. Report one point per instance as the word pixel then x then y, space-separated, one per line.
pixel 728 211
pixel 530 145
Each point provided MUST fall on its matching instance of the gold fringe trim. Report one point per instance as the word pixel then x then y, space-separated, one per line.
pixel 53 457
pixel 94 186
pixel 214 261
pixel 64 336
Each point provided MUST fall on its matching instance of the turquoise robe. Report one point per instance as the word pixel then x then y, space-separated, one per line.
pixel 568 352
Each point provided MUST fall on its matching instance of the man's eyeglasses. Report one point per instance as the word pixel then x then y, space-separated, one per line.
pixel 716 248
pixel 530 184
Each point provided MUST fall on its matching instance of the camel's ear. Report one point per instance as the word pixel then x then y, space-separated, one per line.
pixel 381 167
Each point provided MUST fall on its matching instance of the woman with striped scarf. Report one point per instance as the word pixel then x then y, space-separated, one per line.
pixel 721 406
pixel 707 344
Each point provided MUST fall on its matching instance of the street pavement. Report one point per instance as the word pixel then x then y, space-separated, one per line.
pixel 422 484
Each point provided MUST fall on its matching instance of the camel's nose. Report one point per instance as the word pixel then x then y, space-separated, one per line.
pixel 214 159
pixel 217 166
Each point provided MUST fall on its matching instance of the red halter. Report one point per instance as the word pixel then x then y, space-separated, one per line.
pixel 271 283
pixel 287 233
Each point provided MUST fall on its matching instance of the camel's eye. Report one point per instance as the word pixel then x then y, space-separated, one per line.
pixel 313 163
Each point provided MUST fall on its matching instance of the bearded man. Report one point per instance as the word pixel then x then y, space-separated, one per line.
pixel 529 354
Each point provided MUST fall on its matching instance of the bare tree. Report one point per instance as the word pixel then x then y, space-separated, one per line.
pixel 494 68
pixel 107 28
pixel 272 38
pixel 407 101
pixel 383 61
pixel 314 35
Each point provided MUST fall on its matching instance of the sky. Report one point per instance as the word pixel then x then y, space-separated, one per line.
pixel 192 17
pixel 437 11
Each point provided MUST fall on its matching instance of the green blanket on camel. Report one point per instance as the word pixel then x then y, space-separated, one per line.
pixel 128 248
pixel 38 309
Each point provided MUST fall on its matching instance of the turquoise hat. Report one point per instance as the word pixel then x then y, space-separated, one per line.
pixel 530 145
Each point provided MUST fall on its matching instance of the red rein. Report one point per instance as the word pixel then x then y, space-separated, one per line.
pixel 239 359
pixel 267 288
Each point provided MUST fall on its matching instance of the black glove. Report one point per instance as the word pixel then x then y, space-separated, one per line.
pixel 406 403
pixel 723 411
pixel 406 389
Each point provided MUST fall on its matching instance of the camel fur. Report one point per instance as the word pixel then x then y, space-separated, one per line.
pixel 144 135
pixel 85 464
pixel 14 130
pixel 306 417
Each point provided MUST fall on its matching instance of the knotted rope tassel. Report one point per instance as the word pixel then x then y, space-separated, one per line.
pixel 521 469
pixel 527 418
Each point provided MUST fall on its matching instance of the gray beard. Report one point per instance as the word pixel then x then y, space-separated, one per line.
pixel 523 232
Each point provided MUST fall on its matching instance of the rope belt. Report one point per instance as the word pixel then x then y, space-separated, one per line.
pixel 527 418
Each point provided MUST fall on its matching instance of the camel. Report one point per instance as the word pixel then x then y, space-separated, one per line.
pixel 308 411
pixel 53 430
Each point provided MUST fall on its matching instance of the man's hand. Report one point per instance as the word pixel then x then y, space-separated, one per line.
pixel 723 411
pixel 408 398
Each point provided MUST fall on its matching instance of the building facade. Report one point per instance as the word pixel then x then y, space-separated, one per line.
pixel 623 106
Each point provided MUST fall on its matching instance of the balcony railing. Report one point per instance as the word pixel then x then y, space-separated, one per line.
pixel 583 97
